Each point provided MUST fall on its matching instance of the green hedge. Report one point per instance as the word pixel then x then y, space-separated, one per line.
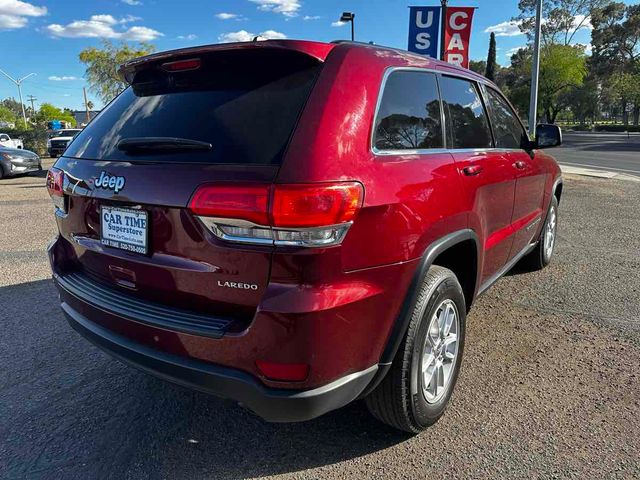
pixel 617 128
pixel 33 139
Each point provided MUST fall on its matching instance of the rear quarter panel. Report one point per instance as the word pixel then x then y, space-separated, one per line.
pixel 410 200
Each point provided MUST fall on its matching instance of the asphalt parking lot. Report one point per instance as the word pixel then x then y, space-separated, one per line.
pixel 549 387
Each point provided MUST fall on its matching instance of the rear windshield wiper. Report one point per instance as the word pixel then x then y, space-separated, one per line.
pixel 160 144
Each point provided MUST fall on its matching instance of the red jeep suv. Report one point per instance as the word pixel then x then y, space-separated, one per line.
pixel 295 225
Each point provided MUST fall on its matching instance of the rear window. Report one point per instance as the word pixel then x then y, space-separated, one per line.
pixel 244 103
pixel 409 113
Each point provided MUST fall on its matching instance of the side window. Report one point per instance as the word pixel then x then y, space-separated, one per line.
pixel 409 113
pixel 466 118
pixel 506 126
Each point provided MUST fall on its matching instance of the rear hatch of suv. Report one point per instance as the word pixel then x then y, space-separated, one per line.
pixel 218 116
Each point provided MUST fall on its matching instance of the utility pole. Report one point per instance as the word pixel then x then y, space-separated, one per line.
pixel 19 84
pixel 86 104
pixel 32 99
pixel 535 72
pixel 443 26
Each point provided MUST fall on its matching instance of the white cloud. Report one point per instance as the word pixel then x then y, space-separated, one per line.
pixel 129 19
pixel 14 13
pixel 103 26
pixel 588 48
pixel 580 20
pixel 226 16
pixel 289 8
pixel 132 2
pixel 510 28
pixel 338 24
pixel 311 17
pixel 64 78
pixel 191 36
pixel 244 36
pixel 513 51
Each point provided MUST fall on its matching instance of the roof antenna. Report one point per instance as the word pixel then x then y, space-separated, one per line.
pixel 255 39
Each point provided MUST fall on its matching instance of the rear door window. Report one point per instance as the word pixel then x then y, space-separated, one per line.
pixel 507 129
pixel 245 103
pixel 409 114
pixel 466 116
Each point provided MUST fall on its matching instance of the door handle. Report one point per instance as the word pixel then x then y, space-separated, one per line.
pixel 520 165
pixel 472 170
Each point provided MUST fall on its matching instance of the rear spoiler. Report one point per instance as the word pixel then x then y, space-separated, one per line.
pixel 317 50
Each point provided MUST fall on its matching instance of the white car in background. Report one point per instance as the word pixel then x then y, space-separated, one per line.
pixel 58 141
pixel 7 142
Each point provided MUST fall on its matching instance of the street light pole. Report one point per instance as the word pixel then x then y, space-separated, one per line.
pixel 19 85
pixel 349 17
pixel 535 72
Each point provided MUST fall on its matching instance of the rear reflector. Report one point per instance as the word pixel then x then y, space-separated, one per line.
pixel 55 187
pixel 286 372
pixel 310 215
pixel 182 65
pixel 55 180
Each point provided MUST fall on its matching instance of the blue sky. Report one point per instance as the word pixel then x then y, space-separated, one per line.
pixel 45 36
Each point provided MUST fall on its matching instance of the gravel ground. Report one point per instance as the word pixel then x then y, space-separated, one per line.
pixel 549 385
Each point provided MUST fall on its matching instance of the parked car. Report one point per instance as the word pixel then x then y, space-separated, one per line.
pixel 16 161
pixel 312 231
pixel 60 139
pixel 7 142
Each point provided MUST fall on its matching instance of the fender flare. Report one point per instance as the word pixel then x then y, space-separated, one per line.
pixel 401 324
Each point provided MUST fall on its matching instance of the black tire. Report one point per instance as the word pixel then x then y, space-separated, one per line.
pixel 399 400
pixel 1 172
pixel 541 256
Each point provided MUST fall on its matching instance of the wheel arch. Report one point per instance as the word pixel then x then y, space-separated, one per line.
pixel 452 250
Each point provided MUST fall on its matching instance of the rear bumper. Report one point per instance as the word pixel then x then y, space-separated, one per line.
pixel 274 405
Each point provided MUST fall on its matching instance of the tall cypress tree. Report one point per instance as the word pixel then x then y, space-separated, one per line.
pixel 490 72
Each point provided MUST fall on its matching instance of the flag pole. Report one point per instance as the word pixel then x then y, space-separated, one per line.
pixel 535 72
pixel 442 27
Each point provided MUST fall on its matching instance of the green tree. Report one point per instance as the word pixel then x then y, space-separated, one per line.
pixel 478 66
pixel 562 68
pixel 13 105
pixel 7 115
pixel 490 71
pixel 563 18
pixel 48 112
pixel 625 88
pixel 102 66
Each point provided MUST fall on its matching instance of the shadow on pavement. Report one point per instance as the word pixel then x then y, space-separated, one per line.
pixel 70 410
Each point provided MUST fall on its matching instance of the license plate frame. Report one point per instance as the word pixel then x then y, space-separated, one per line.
pixel 125 234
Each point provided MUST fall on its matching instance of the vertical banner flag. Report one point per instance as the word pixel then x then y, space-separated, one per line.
pixel 424 24
pixel 456 36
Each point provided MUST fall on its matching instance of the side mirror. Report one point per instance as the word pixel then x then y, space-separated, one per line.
pixel 548 135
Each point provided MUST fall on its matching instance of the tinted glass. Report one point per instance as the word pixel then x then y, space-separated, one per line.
pixel 245 103
pixel 466 117
pixel 409 114
pixel 506 126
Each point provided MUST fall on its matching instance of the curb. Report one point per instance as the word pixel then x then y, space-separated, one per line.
pixel 588 172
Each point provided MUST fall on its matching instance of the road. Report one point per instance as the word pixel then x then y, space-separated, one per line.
pixel 602 151
pixel 548 388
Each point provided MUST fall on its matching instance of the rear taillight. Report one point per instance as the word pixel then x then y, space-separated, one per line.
pixel 55 186
pixel 310 215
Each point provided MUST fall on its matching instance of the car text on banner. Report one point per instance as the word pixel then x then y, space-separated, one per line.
pixel 457 33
